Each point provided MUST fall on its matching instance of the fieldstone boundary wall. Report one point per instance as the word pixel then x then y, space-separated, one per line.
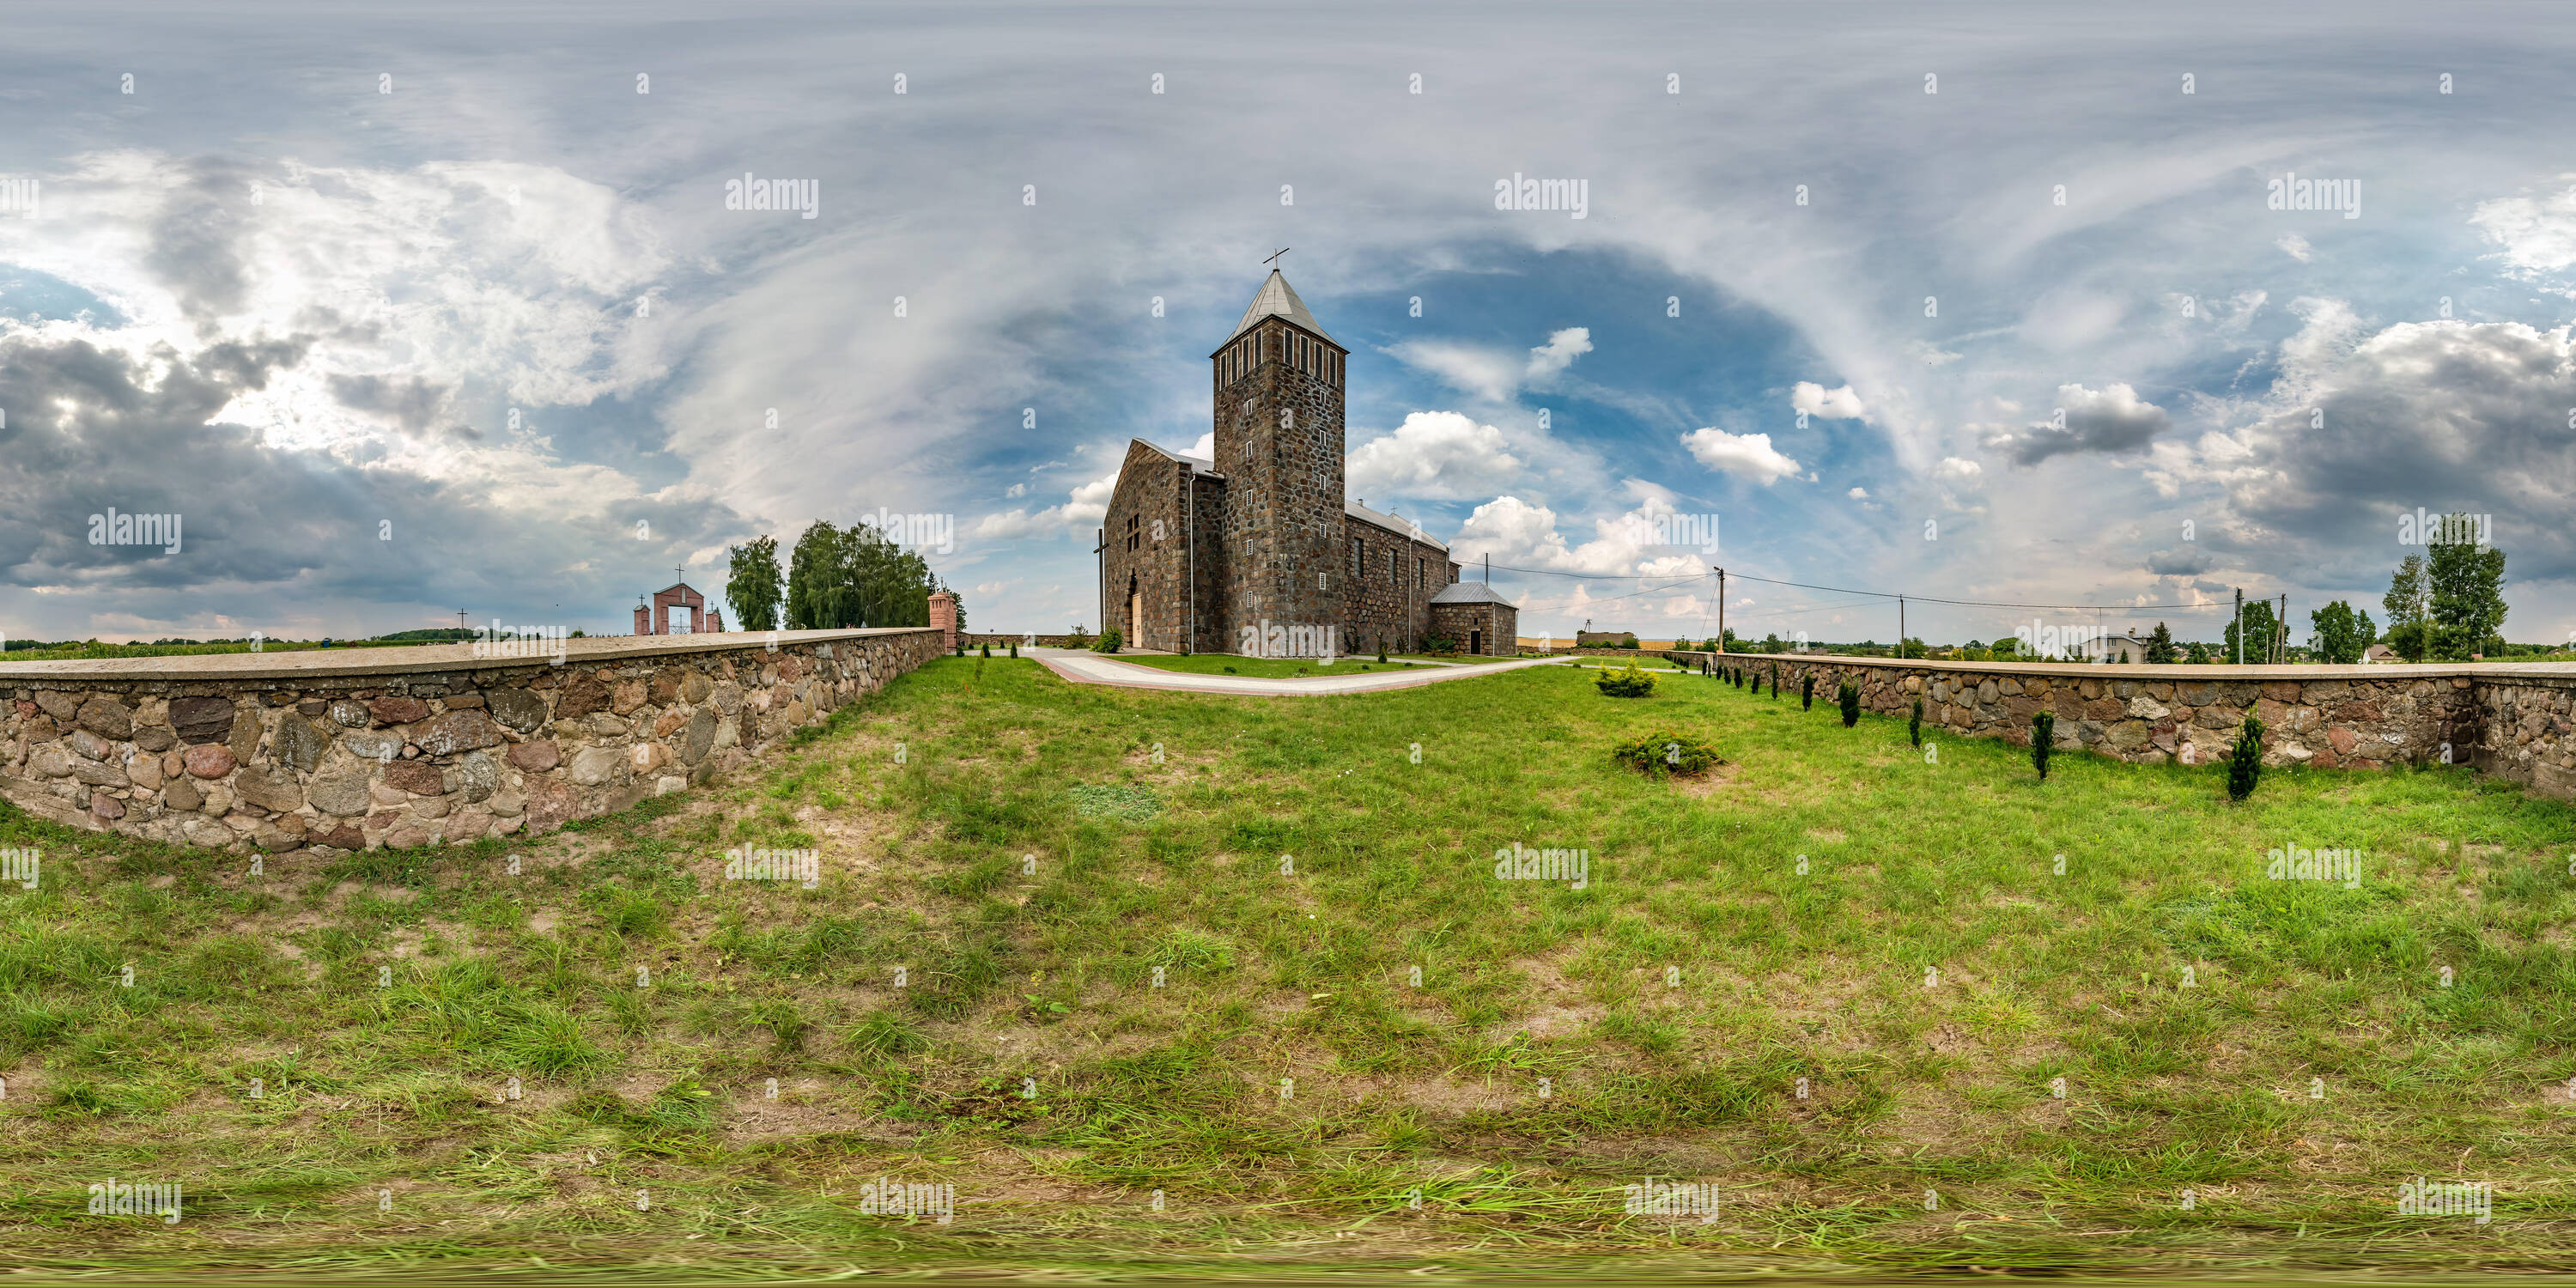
pixel 2513 719
pixel 350 749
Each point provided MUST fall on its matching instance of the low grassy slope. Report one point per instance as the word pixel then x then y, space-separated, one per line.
pixel 1029 854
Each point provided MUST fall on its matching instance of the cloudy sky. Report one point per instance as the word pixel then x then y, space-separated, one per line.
pixel 431 308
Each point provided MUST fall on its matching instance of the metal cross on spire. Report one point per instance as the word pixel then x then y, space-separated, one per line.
pixel 1273 261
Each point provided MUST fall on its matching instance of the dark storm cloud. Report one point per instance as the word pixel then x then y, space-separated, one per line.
pixel 2190 561
pixel 90 430
pixel 195 239
pixel 2111 420
pixel 415 404
pixel 2438 416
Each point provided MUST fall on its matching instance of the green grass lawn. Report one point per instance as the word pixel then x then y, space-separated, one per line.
pixel 1075 946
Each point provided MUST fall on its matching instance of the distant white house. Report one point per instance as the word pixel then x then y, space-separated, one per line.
pixel 2117 649
pixel 2380 653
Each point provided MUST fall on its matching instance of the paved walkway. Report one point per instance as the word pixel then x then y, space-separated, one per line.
pixel 1344 677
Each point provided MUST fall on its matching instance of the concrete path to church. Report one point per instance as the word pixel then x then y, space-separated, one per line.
pixel 1083 667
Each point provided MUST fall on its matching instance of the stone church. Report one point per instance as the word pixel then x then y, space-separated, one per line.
pixel 1258 551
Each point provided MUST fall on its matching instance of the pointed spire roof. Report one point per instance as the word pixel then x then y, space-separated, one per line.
pixel 1277 299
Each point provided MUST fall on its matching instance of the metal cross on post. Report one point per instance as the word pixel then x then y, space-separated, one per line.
pixel 1273 261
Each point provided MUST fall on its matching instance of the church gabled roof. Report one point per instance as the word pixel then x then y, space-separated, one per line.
pixel 1202 466
pixel 1470 592
pixel 1392 522
pixel 1277 299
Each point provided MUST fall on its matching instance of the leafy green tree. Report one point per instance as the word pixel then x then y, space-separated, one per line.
pixel 840 577
pixel 2258 633
pixel 2409 602
pixel 753 587
pixel 2467 581
pixel 2160 646
pixel 815 595
pixel 2343 633
pixel 2198 655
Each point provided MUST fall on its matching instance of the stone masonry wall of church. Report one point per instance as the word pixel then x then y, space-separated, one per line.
pixel 1376 608
pixel 1283 516
pixel 1211 637
pixel 1499 624
pixel 1149 490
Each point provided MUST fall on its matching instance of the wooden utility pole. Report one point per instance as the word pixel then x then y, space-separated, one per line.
pixel 1721 608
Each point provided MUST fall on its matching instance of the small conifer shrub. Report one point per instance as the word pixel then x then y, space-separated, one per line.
pixel 1807 692
pixel 1664 752
pixel 2245 761
pixel 1914 725
pixel 1625 682
pixel 2043 739
pixel 1849 696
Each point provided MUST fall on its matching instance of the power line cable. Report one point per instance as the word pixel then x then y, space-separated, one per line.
pixel 1880 594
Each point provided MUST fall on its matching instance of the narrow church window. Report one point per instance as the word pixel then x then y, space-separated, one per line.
pixel 1420 577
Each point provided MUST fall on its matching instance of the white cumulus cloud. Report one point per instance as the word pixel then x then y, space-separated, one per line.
pixel 1437 454
pixel 1832 404
pixel 2537 233
pixel 1748 455
pixel 1549 360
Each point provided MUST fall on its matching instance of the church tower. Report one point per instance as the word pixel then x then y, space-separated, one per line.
pixel 1278 384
